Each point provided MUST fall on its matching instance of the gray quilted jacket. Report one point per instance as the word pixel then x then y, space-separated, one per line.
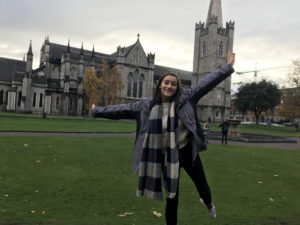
pixel 186 112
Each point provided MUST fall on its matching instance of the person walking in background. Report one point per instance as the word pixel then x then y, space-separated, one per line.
pixel 224 129
pixel 168 137
pixel 206 130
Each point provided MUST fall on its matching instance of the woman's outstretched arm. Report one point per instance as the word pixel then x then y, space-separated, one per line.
pixel 212 80
pixel 121 111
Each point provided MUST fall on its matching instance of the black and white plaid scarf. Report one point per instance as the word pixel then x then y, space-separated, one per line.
pixel 150 170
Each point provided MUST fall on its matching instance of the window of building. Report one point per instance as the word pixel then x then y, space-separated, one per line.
pixel 1 97
pixel 73 73
pixel 141 81
pixel 19 98
pixel 6 98
pixel 34 100
pixel 204 49
pixel 99 74
pixel 138 58
pixel 129 84
pixel 135 83
pixel 57 102
pixel 221 49
pixel 218 114
pixel 41 100
pixel 55 73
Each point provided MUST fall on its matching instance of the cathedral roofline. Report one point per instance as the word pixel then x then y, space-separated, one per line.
pixel 10 66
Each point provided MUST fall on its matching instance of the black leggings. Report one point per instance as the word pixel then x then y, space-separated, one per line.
pixel 196 173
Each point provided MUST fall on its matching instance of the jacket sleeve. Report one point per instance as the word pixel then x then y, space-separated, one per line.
pixel 208 83
pixel 121 111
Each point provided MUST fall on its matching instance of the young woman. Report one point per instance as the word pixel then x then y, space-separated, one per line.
pixel 168 137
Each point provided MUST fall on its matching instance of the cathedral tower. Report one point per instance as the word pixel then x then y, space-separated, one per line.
pixel 212 42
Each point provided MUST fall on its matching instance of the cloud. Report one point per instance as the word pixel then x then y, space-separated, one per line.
pixel 266 32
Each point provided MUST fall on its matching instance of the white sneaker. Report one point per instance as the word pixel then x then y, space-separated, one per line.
pixel 212 213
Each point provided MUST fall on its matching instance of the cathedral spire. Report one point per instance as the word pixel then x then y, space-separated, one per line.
pixel 93 52
pixel 29 49
pixel 215 13
pixel 68 50
pixel 81 50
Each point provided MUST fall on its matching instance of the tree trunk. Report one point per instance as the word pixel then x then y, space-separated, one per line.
pixel 256 113
pixel 256 118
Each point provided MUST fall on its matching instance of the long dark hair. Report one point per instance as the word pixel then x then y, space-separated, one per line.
pixel 157 93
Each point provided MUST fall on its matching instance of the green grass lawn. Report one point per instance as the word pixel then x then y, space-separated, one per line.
pixel 262 129
pixel 38 116
pixel 64 125
pixel 88 181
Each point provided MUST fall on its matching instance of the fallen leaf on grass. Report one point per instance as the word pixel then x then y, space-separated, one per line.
pixel 125 214
pixel 32 212
pixel 259 182
pixel 25 145
pixel 157 214
pixel 5 196
pixel 38 161
pixel 275 175
pixel 271 199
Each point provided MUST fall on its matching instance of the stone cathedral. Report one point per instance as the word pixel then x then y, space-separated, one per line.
pixel 56 87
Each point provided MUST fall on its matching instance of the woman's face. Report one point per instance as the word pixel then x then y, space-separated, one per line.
pixel 168 87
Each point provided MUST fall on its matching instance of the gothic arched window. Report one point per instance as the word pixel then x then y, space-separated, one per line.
pixel 204 49
pixel 55 73
pixel 6 98
pixel 19 98
pixel 141 81
pixel 129 84
pixel 99 74
pixel 41 100
pixel 221 49
pixel 135 83
pixel 34 99
pixel 57 102
pixel 73 73
pixel 1 97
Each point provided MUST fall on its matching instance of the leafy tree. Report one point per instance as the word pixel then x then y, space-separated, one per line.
pixel 294 75
pixel 112 84
pixel 290 107
pixel 92 86
pixel 102 86
pixel 257 97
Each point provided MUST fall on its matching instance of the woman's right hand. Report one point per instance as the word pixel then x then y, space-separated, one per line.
pixel 93 106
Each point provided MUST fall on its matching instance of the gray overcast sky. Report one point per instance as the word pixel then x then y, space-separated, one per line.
pixel 266 32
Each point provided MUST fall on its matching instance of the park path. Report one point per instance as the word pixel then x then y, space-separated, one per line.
pixel 287 146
